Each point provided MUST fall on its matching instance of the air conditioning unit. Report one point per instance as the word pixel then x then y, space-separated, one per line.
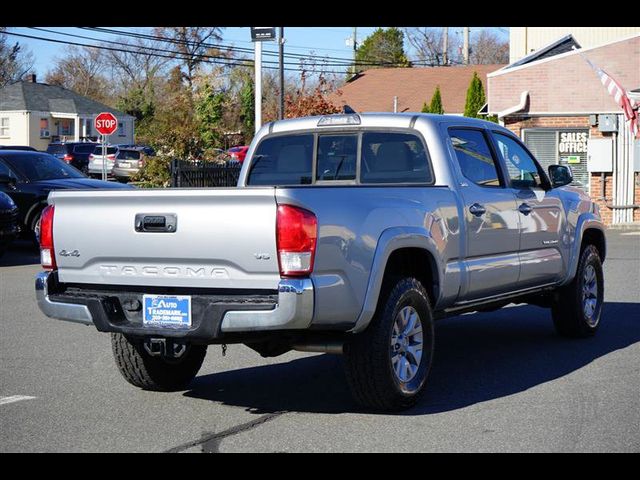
pixel 44 134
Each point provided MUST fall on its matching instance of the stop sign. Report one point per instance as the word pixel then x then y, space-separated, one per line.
pixel 106 123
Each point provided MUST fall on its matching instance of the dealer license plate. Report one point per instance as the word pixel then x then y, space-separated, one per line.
pixel 167 311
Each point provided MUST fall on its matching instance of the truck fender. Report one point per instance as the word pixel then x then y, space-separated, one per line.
pixel 391 240
pixel 585 221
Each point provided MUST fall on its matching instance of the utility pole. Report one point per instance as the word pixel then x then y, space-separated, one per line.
pixel 281 60
pixel 465 47
pixel 445 46
pixel 258 81
pixel 355 48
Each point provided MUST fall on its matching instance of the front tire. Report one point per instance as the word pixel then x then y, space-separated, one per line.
pixel 148 372
pixel 387 365
pixel 577 308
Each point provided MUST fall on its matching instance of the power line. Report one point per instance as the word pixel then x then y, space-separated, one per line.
pixel 329 61
pixel 170 54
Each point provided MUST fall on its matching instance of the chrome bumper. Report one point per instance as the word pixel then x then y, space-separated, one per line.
pixel 294 309
pixel 61 311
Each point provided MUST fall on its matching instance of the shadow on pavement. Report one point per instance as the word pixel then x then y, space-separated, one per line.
pixel 20 252
pixel 478 358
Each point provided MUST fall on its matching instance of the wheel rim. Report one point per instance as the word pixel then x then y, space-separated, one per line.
pixel 406 344
pixel 36 229
pixel 590 295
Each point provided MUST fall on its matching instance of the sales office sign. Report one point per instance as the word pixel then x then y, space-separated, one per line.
pixel 572 145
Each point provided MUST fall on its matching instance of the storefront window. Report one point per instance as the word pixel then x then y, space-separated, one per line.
pixel 561 147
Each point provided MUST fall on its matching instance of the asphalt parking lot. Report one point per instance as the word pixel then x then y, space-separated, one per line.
pixel 501 381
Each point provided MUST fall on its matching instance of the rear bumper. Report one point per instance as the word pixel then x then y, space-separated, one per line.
pixel 213 316
pixel 121 172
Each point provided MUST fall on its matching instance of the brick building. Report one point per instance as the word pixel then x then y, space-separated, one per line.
pixel 561 110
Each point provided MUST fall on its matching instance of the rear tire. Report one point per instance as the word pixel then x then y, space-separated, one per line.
pixel 144 371
pixel 387 365
pixel 577 307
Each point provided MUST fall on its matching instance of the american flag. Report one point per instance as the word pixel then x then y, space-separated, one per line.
pixel 619 94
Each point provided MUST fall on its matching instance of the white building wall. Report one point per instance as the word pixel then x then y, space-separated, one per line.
pixel 18 128
pixel 524 40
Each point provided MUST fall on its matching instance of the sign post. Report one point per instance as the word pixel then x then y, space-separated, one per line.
pixel 105 124
pixel 258 35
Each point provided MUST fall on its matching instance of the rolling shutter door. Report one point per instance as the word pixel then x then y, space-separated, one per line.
pixel 543 145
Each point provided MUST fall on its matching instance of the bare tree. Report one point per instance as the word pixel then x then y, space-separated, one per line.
pixel 82 69
pixel 488 48
pixel 191 43
pixel 139 66
pixel 15 62
pixel 427 43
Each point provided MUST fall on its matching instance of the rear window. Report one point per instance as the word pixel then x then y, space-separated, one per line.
pixel 110 150
pixel 53 149
pixel 88 148
pixel 128 155
pixel 337 156
pixel 282 160
pixel 383 158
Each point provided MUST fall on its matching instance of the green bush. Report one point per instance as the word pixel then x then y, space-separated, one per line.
pixel 156 173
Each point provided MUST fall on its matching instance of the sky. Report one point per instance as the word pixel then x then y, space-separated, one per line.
pixel 321 41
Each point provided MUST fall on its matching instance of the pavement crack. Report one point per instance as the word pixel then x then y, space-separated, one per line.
pixel 211 443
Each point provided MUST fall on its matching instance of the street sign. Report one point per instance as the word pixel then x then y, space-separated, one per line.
pixel 106 123
pixel 262 34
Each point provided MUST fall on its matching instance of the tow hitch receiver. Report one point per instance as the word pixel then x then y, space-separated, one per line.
pixel 164 347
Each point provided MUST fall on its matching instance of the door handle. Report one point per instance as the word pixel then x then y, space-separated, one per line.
pixel 477 209
pixel 525 209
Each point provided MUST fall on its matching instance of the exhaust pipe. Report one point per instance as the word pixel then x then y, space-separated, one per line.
pixel 334 348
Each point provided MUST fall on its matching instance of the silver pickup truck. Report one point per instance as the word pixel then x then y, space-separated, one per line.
pixel 346 234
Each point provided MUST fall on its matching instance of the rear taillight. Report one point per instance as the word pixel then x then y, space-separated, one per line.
pixel 67 158
pixel 296 236
pixel 91 156
pixel 111 157
pixel 47 255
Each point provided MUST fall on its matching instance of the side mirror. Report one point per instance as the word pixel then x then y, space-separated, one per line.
pixel 560 175
pixel 7 179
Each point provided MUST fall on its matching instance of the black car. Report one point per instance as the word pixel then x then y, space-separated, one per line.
pixel 18 147
pixel 8 221
pixel 28 177
pixel 75 154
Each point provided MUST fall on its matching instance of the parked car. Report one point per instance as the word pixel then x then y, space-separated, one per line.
pixel 28 177
pixel 238 153
pixel 346 234
pixel 75 154
pixel 18 147
pixel 128 162
pixel 8 221
pixel 97 160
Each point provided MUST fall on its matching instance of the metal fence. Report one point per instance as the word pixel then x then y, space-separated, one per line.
pixel 203 174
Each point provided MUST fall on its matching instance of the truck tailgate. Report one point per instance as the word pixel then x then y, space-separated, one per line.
pixel 224 238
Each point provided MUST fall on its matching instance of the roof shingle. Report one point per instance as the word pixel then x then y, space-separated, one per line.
pixel 373 90
pixel 42 97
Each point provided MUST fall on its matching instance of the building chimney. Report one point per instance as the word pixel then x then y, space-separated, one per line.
pixel 32 78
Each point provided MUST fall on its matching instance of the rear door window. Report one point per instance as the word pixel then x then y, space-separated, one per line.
pixel 283 160
pixel 392 157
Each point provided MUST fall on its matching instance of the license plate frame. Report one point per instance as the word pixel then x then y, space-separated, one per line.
pixel 167 311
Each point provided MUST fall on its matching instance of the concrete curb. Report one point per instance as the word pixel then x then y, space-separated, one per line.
pixel 625 226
